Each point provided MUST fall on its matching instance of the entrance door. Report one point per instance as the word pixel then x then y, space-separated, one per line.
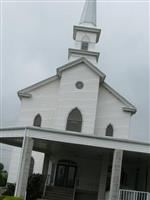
pixel 65 175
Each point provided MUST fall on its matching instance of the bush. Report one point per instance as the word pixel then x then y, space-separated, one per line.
pixel 2 197
pixel 3 175
pixel 10 190
pixel 1 166
pixel 35 187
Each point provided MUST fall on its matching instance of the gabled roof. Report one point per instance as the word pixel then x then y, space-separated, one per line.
pixel 25 92
pixel 128 106
pixel 79 61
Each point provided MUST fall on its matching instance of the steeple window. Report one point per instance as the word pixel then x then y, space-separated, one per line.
pixel 84 46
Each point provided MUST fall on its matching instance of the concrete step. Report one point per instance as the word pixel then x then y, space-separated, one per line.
pixel 58 193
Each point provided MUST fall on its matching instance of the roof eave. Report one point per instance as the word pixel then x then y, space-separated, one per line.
pixel 130 110
pixel 37 85
pixel 25 95
pixel 128 106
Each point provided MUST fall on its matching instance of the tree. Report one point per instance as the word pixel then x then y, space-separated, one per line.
pixel 3 175
pixel 1 166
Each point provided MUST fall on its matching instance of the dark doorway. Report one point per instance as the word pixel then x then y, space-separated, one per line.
pixel 65 174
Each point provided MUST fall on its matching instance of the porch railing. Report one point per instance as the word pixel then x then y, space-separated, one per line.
pixel 133 195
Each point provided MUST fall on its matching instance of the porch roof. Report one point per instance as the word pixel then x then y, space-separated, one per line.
pixel 14 136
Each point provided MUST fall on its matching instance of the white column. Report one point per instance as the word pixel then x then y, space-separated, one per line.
pixel 46 164
pixel 116 174
pixel 22 179
pixel 103 177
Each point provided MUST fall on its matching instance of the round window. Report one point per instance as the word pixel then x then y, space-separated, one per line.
pixel 79 85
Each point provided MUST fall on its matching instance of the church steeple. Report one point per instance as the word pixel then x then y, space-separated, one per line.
pixel 89 13
pixel 86 35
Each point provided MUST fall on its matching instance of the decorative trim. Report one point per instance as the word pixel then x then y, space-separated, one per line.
pixel 68 133
pixel 84 53
pixel 127 109
pixel 86 29
pixel 25 95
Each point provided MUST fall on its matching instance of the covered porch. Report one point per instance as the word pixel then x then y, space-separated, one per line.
pixel 83 166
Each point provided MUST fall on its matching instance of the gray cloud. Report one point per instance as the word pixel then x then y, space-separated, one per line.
pixel 36 38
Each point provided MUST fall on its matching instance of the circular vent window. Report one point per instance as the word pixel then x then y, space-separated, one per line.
pixel 79 85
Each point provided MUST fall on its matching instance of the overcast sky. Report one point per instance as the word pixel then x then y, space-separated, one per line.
pixel 36 38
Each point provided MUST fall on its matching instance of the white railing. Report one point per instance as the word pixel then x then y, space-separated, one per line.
pixel 133 195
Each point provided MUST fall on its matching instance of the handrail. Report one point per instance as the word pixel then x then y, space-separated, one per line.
pixel 133 195
pixel 127 190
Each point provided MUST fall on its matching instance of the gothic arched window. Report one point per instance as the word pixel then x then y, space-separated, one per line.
pixel 74 121
pixel 37 120
pixel 109 130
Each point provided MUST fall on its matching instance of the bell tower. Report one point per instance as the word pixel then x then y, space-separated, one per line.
pixel 86 35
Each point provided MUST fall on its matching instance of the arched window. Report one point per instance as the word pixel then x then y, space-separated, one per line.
pixel 37 120
pixel 74 121
pixel 109 130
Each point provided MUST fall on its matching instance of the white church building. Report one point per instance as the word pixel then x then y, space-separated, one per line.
pixel 82 126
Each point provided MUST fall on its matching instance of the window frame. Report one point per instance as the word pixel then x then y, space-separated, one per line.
pixel 37 123
pixel 109 131
pixel 71 121
pixel 84 45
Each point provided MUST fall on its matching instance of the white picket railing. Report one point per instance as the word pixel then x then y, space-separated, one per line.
pixel 133 195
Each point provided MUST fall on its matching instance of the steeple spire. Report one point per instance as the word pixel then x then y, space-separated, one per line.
pixel 89 13
pixel 86 35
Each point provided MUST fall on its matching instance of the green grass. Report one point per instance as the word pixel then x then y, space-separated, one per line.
pixel 2 197
pixel 10 198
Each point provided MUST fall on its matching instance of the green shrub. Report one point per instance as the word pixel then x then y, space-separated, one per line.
pixel 10 190
pixel 35 187
pixel 1 166
pixel 3 175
